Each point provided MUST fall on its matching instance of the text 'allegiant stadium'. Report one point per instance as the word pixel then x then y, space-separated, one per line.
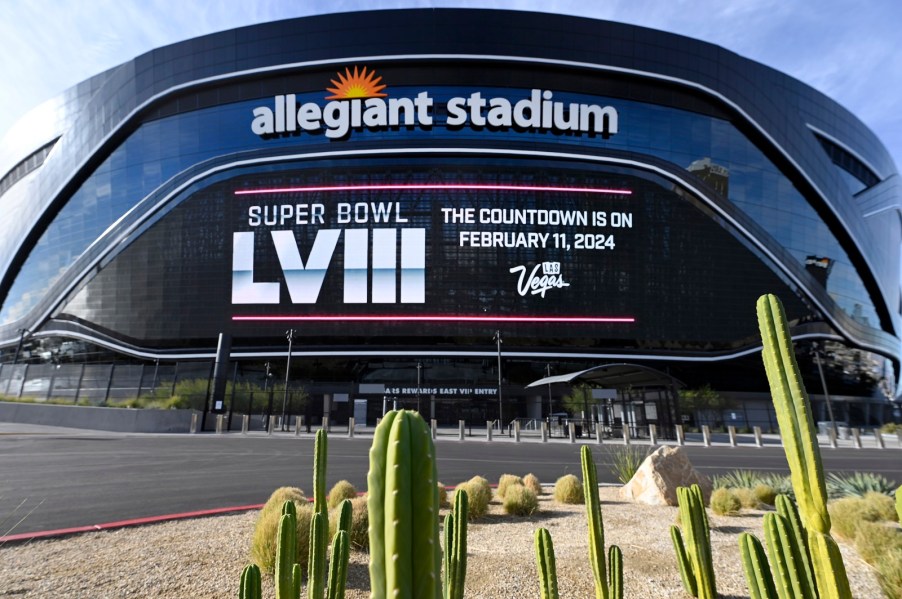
pixel 338 118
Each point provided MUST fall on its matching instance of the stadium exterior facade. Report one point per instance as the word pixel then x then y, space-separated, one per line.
pixel 398 186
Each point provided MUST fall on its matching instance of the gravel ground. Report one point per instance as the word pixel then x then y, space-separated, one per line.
pixel 204 557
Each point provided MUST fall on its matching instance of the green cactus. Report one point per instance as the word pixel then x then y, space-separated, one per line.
pixel 615 572
pixel 757 569
pixel 318 542
pixel 345 513
pixel 603 579
pixel 789 572
pixel 694 556
pixel 799 541
pixel 405 557
pixel 455 554
pixel 320 454
pixel 793 410
pixel 250 585
pixel 286 552
pixel 829 570
pixel 338 564
pixel 316 561
pixel 546 565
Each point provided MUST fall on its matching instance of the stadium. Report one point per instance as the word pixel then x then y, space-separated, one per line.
pixel 439 207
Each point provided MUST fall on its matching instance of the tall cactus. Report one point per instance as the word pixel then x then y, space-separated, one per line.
pixel 405 557
pixel 286 553
pixel 793 410
pixel 603 586
pixel 250 586
pixel 694 556
pixel 455 554
pixel 546 565
pixel 316 561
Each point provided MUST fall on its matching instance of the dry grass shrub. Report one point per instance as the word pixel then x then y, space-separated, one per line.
pixel 506 482
pixel 359 535
pixel 482 488
pixel 747 498
pixel 889 573
pixel 531 481
pixel 340 491
pixel 442 495
pixel 520 501
pixel 847 514
pixel 266 529
pixel 881 505
pixel 765 494
pixel 725 502
pixel 875 539
pixel 477 500
pixel 568 489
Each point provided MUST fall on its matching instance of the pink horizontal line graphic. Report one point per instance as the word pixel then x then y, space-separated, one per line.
pixel 433 186
pixel 356 318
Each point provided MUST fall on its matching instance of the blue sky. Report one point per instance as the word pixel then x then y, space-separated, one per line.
pixel 848 49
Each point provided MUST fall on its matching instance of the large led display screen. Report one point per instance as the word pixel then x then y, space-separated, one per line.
pixel 404 249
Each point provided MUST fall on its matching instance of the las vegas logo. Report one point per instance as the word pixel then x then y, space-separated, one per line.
pixel 537 284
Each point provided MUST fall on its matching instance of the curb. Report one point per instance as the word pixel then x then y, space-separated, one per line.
pixel 63 532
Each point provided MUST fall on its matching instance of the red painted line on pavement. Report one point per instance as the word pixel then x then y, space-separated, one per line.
pixel 61 532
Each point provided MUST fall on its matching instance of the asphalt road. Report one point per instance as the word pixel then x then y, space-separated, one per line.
pixel 82 479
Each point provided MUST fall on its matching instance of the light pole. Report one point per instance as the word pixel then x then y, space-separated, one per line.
pixel 820 369
pixel 19 347
pixel 419 374
pixel 548 375
pixel 497 339
pixel 289 334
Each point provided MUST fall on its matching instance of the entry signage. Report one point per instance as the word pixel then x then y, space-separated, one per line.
pixel 443 391
pixel 358 102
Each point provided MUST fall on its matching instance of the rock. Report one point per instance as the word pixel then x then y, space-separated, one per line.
pixel 657 479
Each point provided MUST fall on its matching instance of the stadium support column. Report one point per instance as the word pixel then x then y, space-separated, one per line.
pixel 497 339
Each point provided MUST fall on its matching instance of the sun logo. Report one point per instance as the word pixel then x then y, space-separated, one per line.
pixel 356 85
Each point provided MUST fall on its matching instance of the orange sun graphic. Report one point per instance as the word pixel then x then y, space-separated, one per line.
pixel 356 85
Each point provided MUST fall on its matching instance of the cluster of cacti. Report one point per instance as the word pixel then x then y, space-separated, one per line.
pixel 608 577
pixel 694 556
pixel 287 572
pixel 455 554
pixel 807 561
pixel 405 557
pixel 546 565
